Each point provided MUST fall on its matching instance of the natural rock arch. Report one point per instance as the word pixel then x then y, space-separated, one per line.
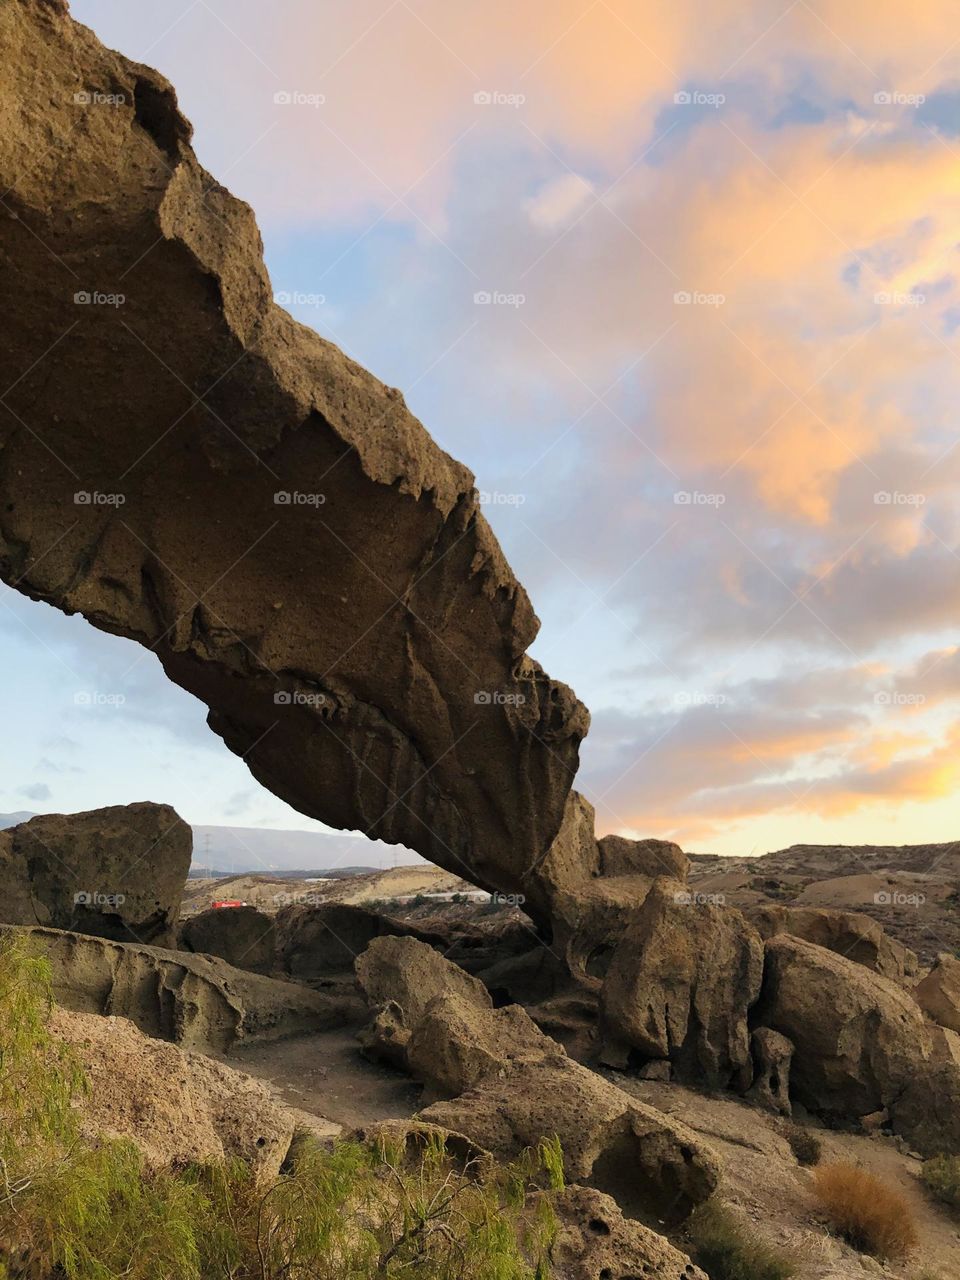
pixel 361 645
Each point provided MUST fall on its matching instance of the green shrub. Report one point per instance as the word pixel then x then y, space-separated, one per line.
pixel 94 1212
pixel 728 1250
pixel 941 1176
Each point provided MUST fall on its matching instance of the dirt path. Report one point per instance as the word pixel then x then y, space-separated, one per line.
pixel 326 1076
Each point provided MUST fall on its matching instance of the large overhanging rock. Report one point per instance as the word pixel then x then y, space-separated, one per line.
pixel 185 465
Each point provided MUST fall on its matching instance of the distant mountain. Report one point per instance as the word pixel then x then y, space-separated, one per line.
pixel 258 849
pixel 12 819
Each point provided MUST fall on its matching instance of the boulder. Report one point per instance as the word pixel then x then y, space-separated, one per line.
pixel 595 1240
pixel 116 873
pixel 515 1086
pixel 198 1002
pixel 939 993
pixel 196 471
pixel 314 942
pixel 656 1169
pixel 457 1043
pixel 682 980
pixel 849 933
pixel 859 1039
pixel 243 936
pixel 176 1106
pixel 412 974
pixel 772 1055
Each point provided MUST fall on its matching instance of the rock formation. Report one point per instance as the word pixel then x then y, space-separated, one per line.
pixel 939 993
pixel 679 988
pixel 197 1002
pixel 849 933
pixel 176 1106
pixel 116 872
pixel 243 936
pixel 186 465
pixel 591 890
pixel 506 1085
pixel 317 941
pixel 596 1240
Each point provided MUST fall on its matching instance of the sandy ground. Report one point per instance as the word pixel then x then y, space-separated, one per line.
pixel 326 1076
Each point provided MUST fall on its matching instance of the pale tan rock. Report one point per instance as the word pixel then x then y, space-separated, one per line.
pixel 939 993
pixel 682 981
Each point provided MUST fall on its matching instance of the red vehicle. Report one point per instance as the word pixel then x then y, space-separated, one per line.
pixel 228 902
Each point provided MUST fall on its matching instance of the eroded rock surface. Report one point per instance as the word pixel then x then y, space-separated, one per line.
pixel 939 993
pixel 198 1002
pixel 117 872
pixel 683 979
pixel 186 465
pixel 849 933
pixel 243 936
pixel 596 1240
pixel 177 1106
pixel 592 890
pixel 507 1085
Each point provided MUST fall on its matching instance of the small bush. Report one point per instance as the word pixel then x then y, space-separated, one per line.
pixel 941 1176
pixel 806 1146
pixel 865 1211
pixel 728 1250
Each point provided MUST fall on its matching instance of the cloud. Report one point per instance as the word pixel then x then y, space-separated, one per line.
pixel 728 394
pixel 36 791
pixel 558 200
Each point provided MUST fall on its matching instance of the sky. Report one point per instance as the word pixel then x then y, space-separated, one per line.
pixel 679 284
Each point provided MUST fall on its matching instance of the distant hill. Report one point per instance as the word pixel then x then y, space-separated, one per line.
pixel 235 849
pixel 12 819
pixel 288 853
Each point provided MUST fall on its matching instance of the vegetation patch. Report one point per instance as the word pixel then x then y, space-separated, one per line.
pixel 94 1212
pixel 806 1146
pixel 727 1249
pixel 941 1176
pixel 871 1216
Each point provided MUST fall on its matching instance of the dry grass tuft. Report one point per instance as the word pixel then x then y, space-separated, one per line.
pixel 871 1216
